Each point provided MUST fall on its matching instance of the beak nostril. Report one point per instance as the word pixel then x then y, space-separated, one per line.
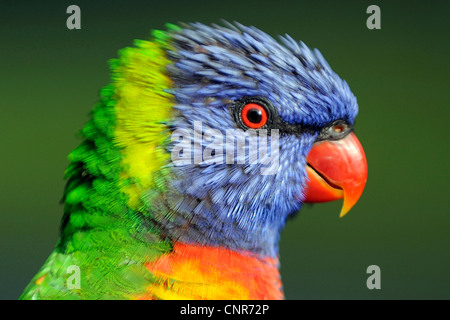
pixel 338 128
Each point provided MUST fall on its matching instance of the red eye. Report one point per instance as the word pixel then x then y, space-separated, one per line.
pixel 254 116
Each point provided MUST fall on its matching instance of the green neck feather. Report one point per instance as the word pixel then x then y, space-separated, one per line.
pixel 106 229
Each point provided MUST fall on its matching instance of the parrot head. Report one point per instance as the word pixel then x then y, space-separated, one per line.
pixel 206 140
pixel 238 93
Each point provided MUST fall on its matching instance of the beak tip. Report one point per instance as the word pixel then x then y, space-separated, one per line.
pixel 343 213
pixel 347 205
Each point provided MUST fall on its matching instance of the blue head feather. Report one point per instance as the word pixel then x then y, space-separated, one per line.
pixel 234 205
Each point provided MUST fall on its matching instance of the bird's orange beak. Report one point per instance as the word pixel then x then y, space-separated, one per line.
pixel 336 170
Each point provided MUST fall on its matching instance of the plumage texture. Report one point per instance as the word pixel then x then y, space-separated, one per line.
pixel 141 227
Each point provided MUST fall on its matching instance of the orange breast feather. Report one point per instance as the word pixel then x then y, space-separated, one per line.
pixel 199 272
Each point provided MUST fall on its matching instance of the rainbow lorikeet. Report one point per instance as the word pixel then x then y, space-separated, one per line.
pixel 144 220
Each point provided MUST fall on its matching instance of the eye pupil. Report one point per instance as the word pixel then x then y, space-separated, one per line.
pixel 254 115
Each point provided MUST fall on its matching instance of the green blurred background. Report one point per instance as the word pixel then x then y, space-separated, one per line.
pixel 50 77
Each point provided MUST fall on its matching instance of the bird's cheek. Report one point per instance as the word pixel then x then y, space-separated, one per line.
pixel 336 170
